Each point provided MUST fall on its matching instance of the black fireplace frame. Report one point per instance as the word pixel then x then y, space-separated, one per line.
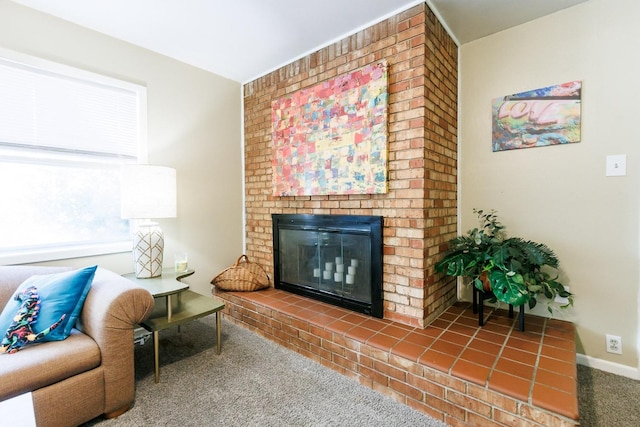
pixel 354 224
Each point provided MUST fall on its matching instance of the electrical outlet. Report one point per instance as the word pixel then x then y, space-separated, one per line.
pixel 614 344
pixel 562 300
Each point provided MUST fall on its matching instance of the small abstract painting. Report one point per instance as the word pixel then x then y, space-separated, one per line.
pixel 537 118
pixel 332 138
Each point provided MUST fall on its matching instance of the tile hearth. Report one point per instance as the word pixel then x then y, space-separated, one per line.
pixel 452 370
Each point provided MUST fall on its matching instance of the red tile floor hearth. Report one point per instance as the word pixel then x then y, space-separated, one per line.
pixel 453 370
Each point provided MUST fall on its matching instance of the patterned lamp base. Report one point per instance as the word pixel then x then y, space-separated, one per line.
pixel 148 245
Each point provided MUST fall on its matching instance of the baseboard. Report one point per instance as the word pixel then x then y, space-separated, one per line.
pixel 611 367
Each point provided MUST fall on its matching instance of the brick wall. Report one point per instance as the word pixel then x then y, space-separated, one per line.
pixel 420 208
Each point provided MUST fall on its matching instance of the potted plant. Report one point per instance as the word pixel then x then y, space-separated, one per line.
pixel 515 270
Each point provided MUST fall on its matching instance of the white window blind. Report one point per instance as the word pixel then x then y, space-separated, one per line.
pixel 44 110
pixel 64 134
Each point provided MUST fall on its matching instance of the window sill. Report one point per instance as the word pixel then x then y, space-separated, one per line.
pixel 59 253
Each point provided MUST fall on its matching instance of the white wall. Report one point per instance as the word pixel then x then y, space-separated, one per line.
pixel 559 195
pixel 194 125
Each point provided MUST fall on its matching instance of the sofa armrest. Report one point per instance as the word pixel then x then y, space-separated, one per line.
pixel 113 307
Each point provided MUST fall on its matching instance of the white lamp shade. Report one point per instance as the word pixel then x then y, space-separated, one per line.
pixel 148 192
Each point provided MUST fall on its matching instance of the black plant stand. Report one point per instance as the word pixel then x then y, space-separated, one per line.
pixel 478 307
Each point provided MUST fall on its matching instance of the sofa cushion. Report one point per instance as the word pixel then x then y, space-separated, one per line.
pixel 39 365
pixel 60 294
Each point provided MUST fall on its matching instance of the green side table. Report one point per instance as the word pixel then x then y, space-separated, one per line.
pixel 187 306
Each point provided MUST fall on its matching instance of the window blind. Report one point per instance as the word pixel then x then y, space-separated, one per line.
pixel 45 110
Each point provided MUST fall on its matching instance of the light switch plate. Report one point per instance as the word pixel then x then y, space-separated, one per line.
pixel 617 165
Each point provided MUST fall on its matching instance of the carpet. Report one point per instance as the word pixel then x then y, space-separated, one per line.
pixel 254 382
pixel 607 400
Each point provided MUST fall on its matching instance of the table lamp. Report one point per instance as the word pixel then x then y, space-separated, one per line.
pixel 148 192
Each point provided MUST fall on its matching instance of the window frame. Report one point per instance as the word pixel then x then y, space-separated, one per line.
pixel 87 249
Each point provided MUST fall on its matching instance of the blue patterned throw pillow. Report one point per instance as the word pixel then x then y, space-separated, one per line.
pixel 60 294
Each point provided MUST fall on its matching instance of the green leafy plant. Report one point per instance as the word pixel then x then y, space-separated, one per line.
pixel 515 270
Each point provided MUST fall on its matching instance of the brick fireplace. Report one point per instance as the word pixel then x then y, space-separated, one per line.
pixel 420 208
pixel 426 351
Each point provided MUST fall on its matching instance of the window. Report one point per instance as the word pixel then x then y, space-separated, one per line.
pixel 64 134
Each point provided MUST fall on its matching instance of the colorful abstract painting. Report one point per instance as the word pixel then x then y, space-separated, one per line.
pixel 537 118
pixel 332 138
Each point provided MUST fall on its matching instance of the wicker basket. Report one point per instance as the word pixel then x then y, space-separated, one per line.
pixel 244 275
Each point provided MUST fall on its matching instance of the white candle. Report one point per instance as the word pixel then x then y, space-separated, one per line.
pixel 338 260
pixel 316 272
pixel 337 277
pixel 354 263
pixel 351 270
pixel 326 275
pixel 350 279
pixel 340 268
pixel 328 266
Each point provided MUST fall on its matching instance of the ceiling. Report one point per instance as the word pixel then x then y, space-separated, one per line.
pixel 244 39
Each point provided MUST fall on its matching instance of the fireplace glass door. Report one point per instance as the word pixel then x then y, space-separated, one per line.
pixel 332 258
pixel 327 262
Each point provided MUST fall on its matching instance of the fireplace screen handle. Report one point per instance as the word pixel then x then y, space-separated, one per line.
pixel 328 230
pixel 352 230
